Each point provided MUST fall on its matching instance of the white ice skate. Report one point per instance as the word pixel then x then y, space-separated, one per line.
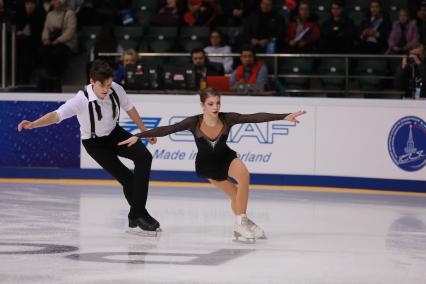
pixel 258 231
pixel 242 230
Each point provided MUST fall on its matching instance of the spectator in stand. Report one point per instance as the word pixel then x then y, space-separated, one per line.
pixel 251 74
pixel 303 33
pixel 203 67
pixel 168 15
pixel 375 30
pixel 201 13
pixel 412 74
pixel 235 11
pixel 130 56
pixel 29 22
pixel 413 6
pixel 47 5
pixel 338 32
pixel 404 35
pixel 291 4
pixel 263 28
pixel 421 21
pixel 59 38
pixel 216 46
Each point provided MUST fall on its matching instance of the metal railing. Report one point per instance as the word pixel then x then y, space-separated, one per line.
pixel 275 74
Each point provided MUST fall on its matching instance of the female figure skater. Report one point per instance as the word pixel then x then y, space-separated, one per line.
pixel 215 160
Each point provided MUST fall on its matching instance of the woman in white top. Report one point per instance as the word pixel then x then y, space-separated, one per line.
pixel 216 47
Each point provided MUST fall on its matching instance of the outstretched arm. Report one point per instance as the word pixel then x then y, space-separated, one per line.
pixel 45 120
pixel 236 118
pixel 161 131
pixel 134 115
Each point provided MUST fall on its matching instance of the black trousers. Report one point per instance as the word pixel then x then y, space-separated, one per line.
pixel 105 151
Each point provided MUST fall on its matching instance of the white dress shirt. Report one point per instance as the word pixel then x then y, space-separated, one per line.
pixel 79 106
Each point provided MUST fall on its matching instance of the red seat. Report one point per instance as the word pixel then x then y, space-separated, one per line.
pixel 220 83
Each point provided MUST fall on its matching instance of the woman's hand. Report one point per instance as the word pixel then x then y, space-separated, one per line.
pixel 25 124
pixel 152 140
pixel 292 116
pixel 129 142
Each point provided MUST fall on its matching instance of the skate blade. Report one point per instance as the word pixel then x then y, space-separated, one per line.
pixel 242 240
pixel 262 237
pixel 142 233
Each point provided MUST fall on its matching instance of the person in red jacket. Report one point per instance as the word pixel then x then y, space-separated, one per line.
pixel 303 33
pixel 201 13
pixel 251 74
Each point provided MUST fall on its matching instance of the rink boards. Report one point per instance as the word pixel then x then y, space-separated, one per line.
pixel 353 143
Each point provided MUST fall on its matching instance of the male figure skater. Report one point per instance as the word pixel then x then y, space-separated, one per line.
pixel 98 110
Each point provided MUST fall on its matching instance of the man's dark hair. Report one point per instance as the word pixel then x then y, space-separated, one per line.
pixel 337 3
pixel 198 50
pixel 248 47
pixel 100 71
pixel 378 2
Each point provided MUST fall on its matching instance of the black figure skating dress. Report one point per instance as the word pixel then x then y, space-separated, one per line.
pixel 214 156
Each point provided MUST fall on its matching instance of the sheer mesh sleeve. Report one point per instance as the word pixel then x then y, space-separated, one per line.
pixel 236 118
pixel 186 124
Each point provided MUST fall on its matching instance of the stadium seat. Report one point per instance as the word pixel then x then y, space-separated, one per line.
pixel 320 6
pixel 161 39
pixel 129 37
pixel 323 16
pixel 370 68
pixel 295 66
pixel 357 16
pixel 88 36
pixel 332 67
pixel 182 61
pixel 194 37
pixel 392 7
pixel 144 10
pixel 283 10
pixel 145 5
pixel 357 5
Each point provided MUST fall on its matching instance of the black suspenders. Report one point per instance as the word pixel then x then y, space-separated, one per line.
pixel 114 100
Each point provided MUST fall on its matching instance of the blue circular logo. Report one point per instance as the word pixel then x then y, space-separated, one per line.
pixel 407 143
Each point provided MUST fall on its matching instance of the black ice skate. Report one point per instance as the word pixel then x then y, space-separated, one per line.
pixel 143 226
